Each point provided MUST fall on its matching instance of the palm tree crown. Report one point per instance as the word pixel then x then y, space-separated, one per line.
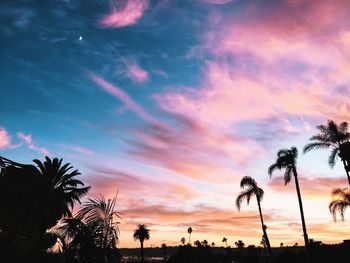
pixel 141 233
pixel 331 135
pixel 341 200
pixel 286 159
pixel 336 137
pixel 250 188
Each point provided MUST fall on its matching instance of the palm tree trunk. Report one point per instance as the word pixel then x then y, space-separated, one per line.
pixel 346 170
pixel 142 257
pixel 263 228
pixel 306 239
pixel 189 239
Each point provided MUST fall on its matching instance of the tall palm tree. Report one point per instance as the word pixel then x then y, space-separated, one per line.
pixel 224 240
pixel 286 159
pixel 141 233
pixel 189 231
pixel 341 201
pixel 250 188
pixel 336 137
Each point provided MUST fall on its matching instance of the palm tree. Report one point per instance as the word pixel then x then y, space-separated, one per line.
pixel 189 231
pixel 250 188
pixel 239 244
pixel 286 159
pixel 224 240
pixel 212 244
pixel 93 232
pixel 57 185
pixel 336 137
pixel 183 241
pixel 341 200
pixel 141 233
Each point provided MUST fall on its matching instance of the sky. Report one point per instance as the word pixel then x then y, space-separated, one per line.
pixel 173 102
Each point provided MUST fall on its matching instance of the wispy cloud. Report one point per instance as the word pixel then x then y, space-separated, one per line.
pixel 5 139
pixel 27 139
pixel 126 99
pixel 135 72
pixel 125 13
pixel 80 149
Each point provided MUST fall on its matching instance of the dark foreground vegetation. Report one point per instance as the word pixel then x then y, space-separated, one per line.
pixel 37 223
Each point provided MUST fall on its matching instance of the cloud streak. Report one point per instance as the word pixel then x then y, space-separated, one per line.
pixel 127 15
pixel 27 139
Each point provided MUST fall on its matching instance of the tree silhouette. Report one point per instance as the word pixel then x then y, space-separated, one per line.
pixel 336 137
pixel 51 188
pixel 239 244
pixel 92 233
pixel 189 231
pixel 183 241
pixel 224 240
pixel 212 244
pixel 250 188
pixel 341 200
pixel 286 159
pixel 141 233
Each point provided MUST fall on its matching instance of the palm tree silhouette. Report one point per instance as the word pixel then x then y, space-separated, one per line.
pixel 189 231
pixel 250 188
pixel 59 189
pixel 212 244
pixel 286 159
pixel 336 137
pixel 239 244
pixel 92 232
pixel 141 233
pixel 224 240
pixel 341 200
pixel 183 241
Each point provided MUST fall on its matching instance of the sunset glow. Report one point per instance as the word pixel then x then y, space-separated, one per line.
pixel 173 102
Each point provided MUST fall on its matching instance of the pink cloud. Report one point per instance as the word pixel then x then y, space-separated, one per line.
pixel 81 149
pixel 5 139
pixel 135 72
pixel 126 99
pixel 126 15
pixel 27 139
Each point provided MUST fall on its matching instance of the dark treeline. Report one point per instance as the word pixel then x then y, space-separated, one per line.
pixel 37 223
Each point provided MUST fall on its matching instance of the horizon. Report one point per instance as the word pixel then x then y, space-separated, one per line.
pixel 171 103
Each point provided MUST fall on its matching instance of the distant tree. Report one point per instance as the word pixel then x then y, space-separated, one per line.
pixel 183 241
pixel 205 243
pixel 212 244
pixel 286 159
pixel 189 231
pixel 239 244
pixel 141 233
pixel 334 136
pixel 224 240
pixel 281 244
pixel 164 247
pixel 341 201
pixel 197 243
pixel 251 188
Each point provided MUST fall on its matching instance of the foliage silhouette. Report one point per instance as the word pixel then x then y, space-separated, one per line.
pixel 341 201
pixel 286 159
pixel 250 188
pixel 141 233
pixel 336 137
pixel 224 239
pixel 49 189
pixel 93 233
pixel 189 231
